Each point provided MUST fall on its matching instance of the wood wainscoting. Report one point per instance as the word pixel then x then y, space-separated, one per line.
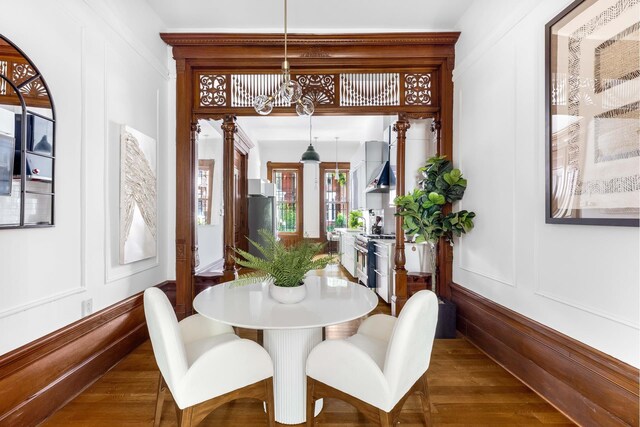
pixel 588 386
pixel 40 377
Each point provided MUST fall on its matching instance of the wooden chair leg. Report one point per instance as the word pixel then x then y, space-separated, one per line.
pixel 386 418
pixel 271 409
pixel 184 417
pixel 311 403
pixel 162 387
pixel 425 401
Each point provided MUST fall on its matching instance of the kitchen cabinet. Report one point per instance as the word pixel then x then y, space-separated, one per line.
pixel 347 251
pixel 384 271
pixel 417 260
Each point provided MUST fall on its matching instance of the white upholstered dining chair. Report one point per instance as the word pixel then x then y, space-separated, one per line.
pixel 380 366
pixel 203 363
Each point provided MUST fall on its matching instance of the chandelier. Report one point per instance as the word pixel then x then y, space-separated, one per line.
pixel 289 90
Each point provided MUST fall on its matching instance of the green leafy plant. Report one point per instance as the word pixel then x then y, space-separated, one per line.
pixel 285 266
pixel 422 210
pixel 356 219
pixel 342 179
pixel 340 220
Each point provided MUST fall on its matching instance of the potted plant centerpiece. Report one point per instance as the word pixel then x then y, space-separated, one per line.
pixel 284 268
pixel 422 210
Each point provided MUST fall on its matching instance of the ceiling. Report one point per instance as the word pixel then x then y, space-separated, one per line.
pixel 279 130
pixel 350 16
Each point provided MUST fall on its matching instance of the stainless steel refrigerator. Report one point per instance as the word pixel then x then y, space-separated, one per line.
pixel 262 211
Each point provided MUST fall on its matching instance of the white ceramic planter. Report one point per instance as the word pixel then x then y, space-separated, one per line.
pixel 288 295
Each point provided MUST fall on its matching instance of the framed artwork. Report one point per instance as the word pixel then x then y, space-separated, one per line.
pixel 592 96
pixel 138 196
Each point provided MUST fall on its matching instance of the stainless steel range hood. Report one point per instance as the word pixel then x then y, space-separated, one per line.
pixel 383 178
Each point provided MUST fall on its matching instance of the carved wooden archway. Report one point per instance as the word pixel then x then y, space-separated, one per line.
pixel 404 74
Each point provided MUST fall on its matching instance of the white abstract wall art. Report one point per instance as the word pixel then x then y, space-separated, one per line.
pixel 138 199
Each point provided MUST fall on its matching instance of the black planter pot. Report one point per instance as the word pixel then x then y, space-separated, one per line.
pixel 446 326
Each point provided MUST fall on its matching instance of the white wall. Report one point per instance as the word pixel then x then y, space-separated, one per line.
pixel 290 151
pixel 580 280
pixel 104 67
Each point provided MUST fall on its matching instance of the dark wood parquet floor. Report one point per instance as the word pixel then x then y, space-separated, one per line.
pixel 466 388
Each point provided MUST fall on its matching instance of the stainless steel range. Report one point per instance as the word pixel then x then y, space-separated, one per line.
pixel 366 257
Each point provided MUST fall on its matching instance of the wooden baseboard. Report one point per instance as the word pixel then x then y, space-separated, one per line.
pixel 40 377
pixel 590 387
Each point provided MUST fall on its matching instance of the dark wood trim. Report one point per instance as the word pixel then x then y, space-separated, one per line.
pixel 400 298
pixel 299 168
pixel 229 129
pixel 185 191
pixel 325 166
pixel 590 387
pixel 275 40
pixel 42 376
pixel 332 54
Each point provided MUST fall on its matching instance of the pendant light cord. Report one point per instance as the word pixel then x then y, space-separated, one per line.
pixel 285 30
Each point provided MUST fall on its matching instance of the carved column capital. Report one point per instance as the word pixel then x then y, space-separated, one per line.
pixel 401 126
pixel 229 125
pixel 436 125
pixel 195 127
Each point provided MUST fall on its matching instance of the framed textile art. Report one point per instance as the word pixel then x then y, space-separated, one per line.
pixel 138 196
pixel 593 114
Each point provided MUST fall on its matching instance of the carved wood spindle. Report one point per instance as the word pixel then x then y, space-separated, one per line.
pixel 400 127
pixel 229 128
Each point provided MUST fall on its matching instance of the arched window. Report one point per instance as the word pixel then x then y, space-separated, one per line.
pixel 27 142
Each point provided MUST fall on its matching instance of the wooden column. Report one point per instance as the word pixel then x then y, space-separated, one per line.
pixel 445 147
pixel 229 128
pixel 185 190
pixel 401 127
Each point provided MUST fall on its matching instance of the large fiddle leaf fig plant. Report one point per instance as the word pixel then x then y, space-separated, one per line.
pixel 422 213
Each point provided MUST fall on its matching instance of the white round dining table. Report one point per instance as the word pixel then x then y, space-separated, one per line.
pixel 290 330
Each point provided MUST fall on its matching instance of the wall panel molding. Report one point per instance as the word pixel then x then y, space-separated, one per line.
pixel 585 308
pixel 42 376
pixel 590 387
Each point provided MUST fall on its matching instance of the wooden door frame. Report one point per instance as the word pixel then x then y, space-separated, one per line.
pixel 325 166
pixel 244 153
pixel 299 168
pixel 220 55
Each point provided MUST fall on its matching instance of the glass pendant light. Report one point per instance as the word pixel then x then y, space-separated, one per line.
pixel 311 155
pixel 290 90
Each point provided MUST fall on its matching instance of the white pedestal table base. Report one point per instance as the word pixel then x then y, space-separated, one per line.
pixel 289 349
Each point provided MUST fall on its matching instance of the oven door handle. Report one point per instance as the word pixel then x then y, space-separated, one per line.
pixel 361 250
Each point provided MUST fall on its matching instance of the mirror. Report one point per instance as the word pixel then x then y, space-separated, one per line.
pixel 27 142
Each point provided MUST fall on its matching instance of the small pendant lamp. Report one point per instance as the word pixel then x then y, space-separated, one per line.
pixel 311 155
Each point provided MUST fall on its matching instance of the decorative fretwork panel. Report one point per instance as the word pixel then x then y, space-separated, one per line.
pixel 394 89
pixel 29 84
pixel 245 87
pixel 369 89
pixel 34 89
pixel 417 89
pixel 213 90
pixel 318 88
pixel 21 72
